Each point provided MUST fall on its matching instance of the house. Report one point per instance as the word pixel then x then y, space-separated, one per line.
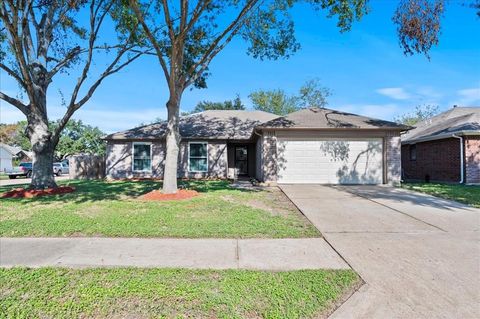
pixel 10 153
pixel 445 148
pixel 308 146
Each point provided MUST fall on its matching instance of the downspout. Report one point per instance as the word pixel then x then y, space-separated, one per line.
pixel 261 157
pixel 461 157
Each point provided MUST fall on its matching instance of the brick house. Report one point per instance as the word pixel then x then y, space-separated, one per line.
pixel 445 148
pixel 312 145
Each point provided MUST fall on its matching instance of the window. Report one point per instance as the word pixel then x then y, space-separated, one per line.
pixel 413 152
pixel 142 157
pixel 197 157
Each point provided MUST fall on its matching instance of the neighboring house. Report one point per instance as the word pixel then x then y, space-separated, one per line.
pixel 10 153
pixel 309 146
pixel 445 148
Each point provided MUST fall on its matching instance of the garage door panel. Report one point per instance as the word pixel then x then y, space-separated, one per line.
pixel 330 161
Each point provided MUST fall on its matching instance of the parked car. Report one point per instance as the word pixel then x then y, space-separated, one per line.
pixel 24 169
pixel 60 168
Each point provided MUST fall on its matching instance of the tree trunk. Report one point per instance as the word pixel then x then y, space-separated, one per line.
pixel 42 176
pixel 43 147
pixel 172 145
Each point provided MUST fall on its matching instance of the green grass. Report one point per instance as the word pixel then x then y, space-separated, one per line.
pixel 170 293
pixel 468 194
pixel 100 208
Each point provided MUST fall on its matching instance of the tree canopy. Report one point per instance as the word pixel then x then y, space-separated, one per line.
pixel 421 113
pixel 76 138
pixel 235 104
pixel 42 40
pixel 311 94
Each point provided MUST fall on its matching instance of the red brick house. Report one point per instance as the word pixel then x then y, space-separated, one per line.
pixel 445 148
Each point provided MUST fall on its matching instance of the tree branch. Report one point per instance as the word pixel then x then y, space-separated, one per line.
pixel 151 37
pixel 168 21
pixel 15 102
pixel 74 106
pixel 13 74
pixel 234 25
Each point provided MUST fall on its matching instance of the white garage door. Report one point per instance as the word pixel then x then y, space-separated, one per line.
pixel 330 161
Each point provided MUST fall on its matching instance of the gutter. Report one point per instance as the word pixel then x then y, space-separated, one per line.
pixel 440 137
pixel 461 157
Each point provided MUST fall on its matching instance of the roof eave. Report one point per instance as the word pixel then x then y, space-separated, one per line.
pixel 440 137
pixel 403 129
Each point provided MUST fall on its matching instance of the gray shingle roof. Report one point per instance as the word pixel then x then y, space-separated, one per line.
pixel 458 120
pixel 233 125
pixel 321 118
pixel 14 150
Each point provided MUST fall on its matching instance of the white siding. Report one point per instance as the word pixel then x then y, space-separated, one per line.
pixel 5 160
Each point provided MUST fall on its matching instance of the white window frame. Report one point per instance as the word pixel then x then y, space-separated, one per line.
pixel 203 143
pixel 133 157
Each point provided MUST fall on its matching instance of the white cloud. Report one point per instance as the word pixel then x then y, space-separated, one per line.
pixel 428 93
pixel 468 97
pixel 395 93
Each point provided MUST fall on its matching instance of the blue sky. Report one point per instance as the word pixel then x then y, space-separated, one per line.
pixel 365 68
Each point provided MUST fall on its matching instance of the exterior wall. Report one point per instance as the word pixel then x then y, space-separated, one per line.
pixel 269 162
pixel 439 159
pixel 5 160
pixel 472 159
pixel 217 161
pixel 393 160
pixel 119 161
pixel 259 159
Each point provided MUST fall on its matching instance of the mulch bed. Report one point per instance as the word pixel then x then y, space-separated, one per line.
pixel 180 194
pixel 31 193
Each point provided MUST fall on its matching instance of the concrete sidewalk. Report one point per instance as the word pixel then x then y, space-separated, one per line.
pixel 261 254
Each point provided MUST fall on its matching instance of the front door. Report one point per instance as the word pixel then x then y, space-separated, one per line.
pixel 241 160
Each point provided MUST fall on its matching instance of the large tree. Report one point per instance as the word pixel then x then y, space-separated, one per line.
pixel 43 40
pixel 188 35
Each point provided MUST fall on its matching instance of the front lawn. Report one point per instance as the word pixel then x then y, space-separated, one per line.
pixel 113 209
pixel 170 293
pixel 468 194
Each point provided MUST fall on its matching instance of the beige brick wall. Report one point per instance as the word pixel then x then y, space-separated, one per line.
pixel 393 160
pixel 119 161
pixel 269 161
pixel 217 161
pixel 472 159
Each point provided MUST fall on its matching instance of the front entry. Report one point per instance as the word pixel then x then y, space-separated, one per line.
pixel 241 160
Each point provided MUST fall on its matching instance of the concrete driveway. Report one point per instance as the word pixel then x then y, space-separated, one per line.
pixel 419 255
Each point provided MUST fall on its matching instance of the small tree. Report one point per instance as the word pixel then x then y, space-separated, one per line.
pixel 421 113
pixel 42 39
pixel 236 104
pixel 311 94
pixel 14 134
pixel 78 137
pixel 274 101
